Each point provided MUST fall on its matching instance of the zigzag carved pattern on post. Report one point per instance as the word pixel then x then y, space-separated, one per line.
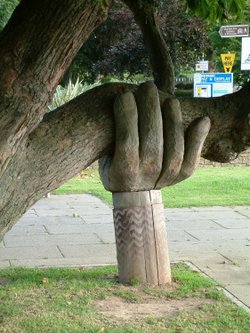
pixel 128 228
pixel 140 241
pixel 134 229
pixel 130 243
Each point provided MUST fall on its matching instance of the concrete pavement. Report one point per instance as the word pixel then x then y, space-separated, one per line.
pixel 77 230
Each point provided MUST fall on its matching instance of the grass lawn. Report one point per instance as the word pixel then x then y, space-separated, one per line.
pixel 207 187
pixel 92 301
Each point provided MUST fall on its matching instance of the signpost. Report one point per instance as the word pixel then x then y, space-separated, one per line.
pixel 227 61
pixel 218 84
pixel 213 84
pixel 201 66
pixel 228 31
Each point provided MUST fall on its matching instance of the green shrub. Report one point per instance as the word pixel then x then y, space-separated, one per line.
pixel 65 94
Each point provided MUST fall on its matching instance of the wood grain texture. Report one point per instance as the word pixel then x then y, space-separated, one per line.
pixel 136 199
pixel 129 244
pixel 163 263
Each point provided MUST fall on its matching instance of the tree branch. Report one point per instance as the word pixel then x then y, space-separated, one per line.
pixel 92 111
pixel 160 59
pixel 73 136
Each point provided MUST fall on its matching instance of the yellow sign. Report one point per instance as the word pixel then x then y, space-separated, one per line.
pixel 228 61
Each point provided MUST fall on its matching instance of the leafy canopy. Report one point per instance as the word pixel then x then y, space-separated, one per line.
pixel 217 10
pixel 6 9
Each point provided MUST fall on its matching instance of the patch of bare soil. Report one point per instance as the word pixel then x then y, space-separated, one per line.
pixel 117 308
pixel 4 281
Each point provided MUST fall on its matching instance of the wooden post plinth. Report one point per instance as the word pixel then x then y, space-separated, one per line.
pixel 141 239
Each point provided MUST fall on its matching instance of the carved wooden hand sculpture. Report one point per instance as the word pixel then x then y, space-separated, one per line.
pixel 151 151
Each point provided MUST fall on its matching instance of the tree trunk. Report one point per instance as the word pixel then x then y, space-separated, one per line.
pixel 36 47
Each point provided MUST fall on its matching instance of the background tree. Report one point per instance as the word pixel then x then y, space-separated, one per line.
pixel 214 10
pixel 116 48
pixel 229 45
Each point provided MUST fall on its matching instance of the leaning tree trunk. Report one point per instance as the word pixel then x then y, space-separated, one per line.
pixel 36 47
pixel 40 151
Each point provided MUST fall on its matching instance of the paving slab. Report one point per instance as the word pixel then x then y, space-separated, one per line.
pixel 203 215
pixel 241 223
pixel 92 211
pixel 60 220
pixel 55 212
pixel 244 211
pixel 31 212
pixel 196 224
pixel 93 250
pixel 192 249
pixel 98 219
pixel 50 240
pixel 242 291
pixel 234 246
pixel 61 262
pixel 240 256
pixel 27 230
pixel 196 256
pixel 224 271
pixel 214 209
pixel 4 263
pixel 34 252
pixel 223 235
pixel 179 236
pixel 106 237
pixel 79 229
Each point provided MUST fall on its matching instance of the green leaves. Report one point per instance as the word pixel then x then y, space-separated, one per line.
pixel 6 9
pixel 214 10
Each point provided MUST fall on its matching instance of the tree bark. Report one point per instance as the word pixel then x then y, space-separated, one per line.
pixel 36 47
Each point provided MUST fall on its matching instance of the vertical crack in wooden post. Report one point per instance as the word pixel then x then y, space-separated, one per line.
pixel 141 242
pixel 155 240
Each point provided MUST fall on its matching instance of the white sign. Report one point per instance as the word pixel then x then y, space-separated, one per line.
pixel 245 54
pixel 213 84
pixel 201 66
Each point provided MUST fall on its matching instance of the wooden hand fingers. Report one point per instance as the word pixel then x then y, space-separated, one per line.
pixel 173 142
pixel 150 133
pixel 194 139
pixel 151 150
pixel 125 164
pixel 104 164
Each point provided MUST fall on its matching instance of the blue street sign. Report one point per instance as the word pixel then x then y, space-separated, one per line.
pixel 217 78
pixel 213 84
